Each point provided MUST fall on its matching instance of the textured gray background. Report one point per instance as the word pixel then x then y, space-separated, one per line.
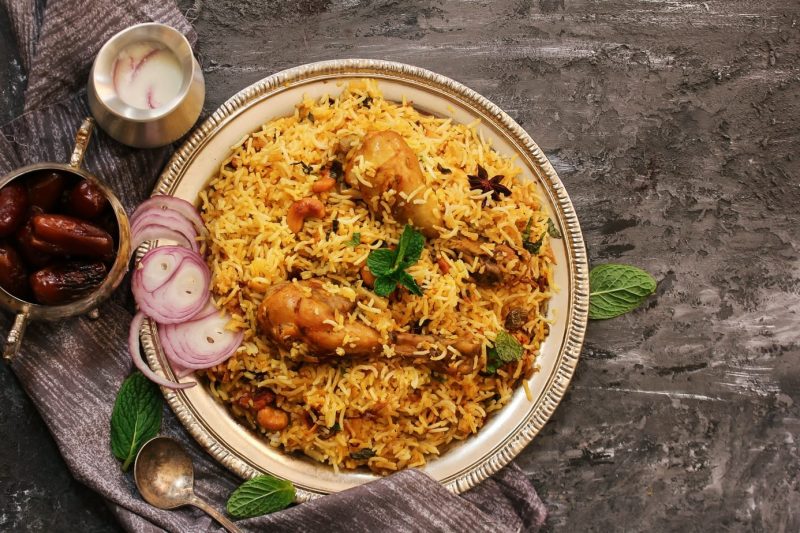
pixel 674 125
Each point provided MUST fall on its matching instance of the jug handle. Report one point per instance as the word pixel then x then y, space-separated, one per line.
pixel 14 339
pixel 81 142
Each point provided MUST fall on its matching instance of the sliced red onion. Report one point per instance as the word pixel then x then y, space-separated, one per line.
pixel 133 347
pixel 158 270
pixel 157 231
pixel 162 203
pixel 171 284
pixel 179 371
pixel 200 343
pixel 167 219
pixel 209 309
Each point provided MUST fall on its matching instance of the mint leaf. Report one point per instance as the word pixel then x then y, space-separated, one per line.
pixel 355 240
pixel 552 230
pixel 402 245
pixel 616 289
pixel 384 285
pixel 533 247
pixel 136 417
pixel 526 233
pixel 259 496
pixel 506 349
pixel 492 363
pixel 380 262
pixel 362 454
pixel 414 246
pixel 409 283
pixel 389 266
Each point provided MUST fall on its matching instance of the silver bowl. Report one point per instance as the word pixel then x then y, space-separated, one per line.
pixel 26 310
pixel 461 465
pixel 146 128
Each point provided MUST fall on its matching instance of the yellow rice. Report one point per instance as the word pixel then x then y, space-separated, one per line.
pixel 400 411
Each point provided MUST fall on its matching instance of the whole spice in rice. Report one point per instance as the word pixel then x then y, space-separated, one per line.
pixel 481 182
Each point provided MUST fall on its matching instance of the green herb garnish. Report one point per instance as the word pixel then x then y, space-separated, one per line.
pixel 441 378
pixel 389 266
pixel 259 496
pixel 616 289
pixel 552 230
pixel 532 247
pixel 362 454
pixel 336 170
pixel 355 240
pixel 526 233
pixel 443 170
pixel 136 417
pixel 506 349
pixel 307 169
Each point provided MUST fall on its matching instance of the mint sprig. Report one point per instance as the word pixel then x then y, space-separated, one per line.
pixel 552 230
pixel 355 240
pixel 136 417
pixel 616 289
pixel 259 496
pixel 389 266
pixel 506 349
pixel 531 247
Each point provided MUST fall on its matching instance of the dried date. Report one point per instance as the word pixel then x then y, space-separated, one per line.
pixel 73 236
pixel 13 276
pixel 45 189
pixel 13 206
pixel 66 282
pixel 86 200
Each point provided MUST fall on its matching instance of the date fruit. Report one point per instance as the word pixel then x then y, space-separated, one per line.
pixel 45 189
pixel 73 236
pixel 66 282
pixel 86 200
pixel 13 276
pixel 13 206
pixel 29 246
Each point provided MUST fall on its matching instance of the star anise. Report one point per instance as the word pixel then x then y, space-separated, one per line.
pixel 483 183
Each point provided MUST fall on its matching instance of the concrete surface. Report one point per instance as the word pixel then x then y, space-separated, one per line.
pixel 674 125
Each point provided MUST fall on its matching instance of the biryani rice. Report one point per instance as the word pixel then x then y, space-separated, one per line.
pixel 400 411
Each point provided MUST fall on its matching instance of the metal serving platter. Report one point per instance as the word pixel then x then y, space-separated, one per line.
pixel 463 464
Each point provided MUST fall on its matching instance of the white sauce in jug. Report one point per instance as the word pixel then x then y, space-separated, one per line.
pixel 147 75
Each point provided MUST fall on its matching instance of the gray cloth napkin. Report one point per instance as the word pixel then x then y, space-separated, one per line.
pixel 72 369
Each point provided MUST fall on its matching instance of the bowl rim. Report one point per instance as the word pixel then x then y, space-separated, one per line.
pixel 576 319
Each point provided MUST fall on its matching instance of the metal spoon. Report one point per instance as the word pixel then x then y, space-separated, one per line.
pixel 165 477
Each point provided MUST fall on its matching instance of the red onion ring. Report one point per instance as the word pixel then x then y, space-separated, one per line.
pixel 133 347
pixel 200 343
pixel 153 232
pixel 161 203
pixel 169 220
pixel 179 371
pixel 171 284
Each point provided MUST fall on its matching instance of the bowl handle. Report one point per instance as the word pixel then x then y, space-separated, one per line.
pixel 14 339
pixel 81 142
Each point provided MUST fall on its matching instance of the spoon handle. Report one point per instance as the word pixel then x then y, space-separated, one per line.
pixel 216 515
